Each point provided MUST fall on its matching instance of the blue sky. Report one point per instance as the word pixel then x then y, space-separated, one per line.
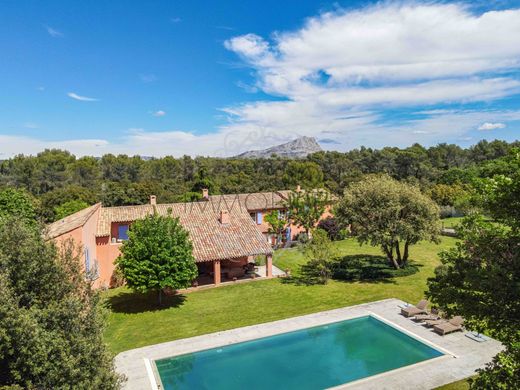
pixel 201 78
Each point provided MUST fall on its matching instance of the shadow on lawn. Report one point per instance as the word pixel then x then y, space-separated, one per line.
pixel 362 268
pixel 130 302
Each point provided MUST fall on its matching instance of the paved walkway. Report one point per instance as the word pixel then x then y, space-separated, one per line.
pixel 463 355
pixel 277 272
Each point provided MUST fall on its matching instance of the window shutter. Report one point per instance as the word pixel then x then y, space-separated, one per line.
pixel 87 260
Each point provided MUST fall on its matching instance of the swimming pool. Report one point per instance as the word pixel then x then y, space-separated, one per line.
pixel 312 358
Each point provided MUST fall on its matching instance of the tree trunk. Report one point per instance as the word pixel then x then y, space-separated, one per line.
pixel 389 251
pixel 405 255
pixel 398 252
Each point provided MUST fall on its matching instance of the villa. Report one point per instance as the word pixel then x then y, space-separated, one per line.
pixel 228 232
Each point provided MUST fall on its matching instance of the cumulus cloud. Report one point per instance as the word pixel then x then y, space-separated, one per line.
pixel 159 113
pixel 491 126
pixel 75 96
pixel 337 77
pixel 387 56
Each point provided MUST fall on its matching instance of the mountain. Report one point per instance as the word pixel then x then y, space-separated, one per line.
pixel 298 148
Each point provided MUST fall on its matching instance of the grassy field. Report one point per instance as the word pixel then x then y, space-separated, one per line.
pixel 135 320
pixel 451 222
pixel 459 385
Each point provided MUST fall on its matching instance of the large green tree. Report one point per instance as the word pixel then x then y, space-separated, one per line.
pixel 480 277
pixel 51 321
pixel 391 214
pixel 157 255
pixel 17 203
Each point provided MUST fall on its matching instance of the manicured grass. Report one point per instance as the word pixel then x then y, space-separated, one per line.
pixel 459 385
pixel 451 222
pixel 135 320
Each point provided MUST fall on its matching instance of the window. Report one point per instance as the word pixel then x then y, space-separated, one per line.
pixel 87 260
pixel 253 216
pixel 259 218
pixel 122 232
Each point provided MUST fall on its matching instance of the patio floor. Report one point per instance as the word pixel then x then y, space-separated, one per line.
pixel 463 355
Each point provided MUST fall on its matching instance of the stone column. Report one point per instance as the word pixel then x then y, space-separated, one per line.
pixel 216 272
pixel 269 266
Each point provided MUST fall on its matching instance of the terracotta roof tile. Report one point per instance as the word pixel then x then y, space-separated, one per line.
pixel 70 222
pixel 211 239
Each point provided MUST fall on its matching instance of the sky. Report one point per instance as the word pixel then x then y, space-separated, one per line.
pixel 177 78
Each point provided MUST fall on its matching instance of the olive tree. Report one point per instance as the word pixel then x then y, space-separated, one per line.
pixel 391 214
pixel 157 255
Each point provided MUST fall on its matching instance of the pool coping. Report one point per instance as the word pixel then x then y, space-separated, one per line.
pixel 138 364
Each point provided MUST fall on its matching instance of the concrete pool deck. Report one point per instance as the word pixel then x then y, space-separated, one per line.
pixel 463 355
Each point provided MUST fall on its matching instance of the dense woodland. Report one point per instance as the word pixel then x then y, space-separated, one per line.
pixel 60 183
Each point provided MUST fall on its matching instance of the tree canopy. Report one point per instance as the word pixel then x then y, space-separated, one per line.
pixel 479 278
pixel 306 208
pixel 51 322
pixel 55 177
pixel 384 212
pixel 157 255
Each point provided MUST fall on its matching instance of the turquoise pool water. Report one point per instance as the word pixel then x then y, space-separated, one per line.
pixel 312 358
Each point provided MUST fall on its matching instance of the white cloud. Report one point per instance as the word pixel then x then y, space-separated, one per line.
pixel 289 120
pixel 75 96
pixel 159 113
pixel 335 77
pixel 390 55
pixel 491 126
pixel 175 19
pixel 53 32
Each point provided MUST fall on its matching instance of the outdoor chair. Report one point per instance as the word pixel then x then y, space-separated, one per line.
pixel 420 308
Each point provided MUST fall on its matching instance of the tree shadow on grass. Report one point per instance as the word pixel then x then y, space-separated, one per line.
pixel 130 302
pixel 360 268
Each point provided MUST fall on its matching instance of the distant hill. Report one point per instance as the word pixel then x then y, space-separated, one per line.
pixel 298 148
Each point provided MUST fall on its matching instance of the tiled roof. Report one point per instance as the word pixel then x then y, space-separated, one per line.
pixel 108 215
pixel 70 222
pixel 253 201
pixel 211 239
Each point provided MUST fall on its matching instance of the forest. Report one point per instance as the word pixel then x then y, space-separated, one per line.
pixel 60 184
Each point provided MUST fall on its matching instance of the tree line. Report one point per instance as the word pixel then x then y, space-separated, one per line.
pixel 60 183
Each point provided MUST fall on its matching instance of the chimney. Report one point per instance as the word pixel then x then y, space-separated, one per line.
pixel 153 200
pixel 224 217
pixel 298 188
pixel 205 194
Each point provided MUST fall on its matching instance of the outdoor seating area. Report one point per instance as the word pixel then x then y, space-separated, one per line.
pixel 432 319
pixel 230 271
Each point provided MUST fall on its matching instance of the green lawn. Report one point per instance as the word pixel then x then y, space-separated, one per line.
pixel 459 385
pixel 135 320
pixel 451 222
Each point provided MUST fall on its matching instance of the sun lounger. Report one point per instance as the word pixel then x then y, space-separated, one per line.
pixel 430 323
pixel 432 316
pixel 420 308
pixel 452 325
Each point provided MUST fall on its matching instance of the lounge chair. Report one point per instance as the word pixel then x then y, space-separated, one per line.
pixel 432 316
pixel 420 308
pixel 452 325
pixel 430 323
